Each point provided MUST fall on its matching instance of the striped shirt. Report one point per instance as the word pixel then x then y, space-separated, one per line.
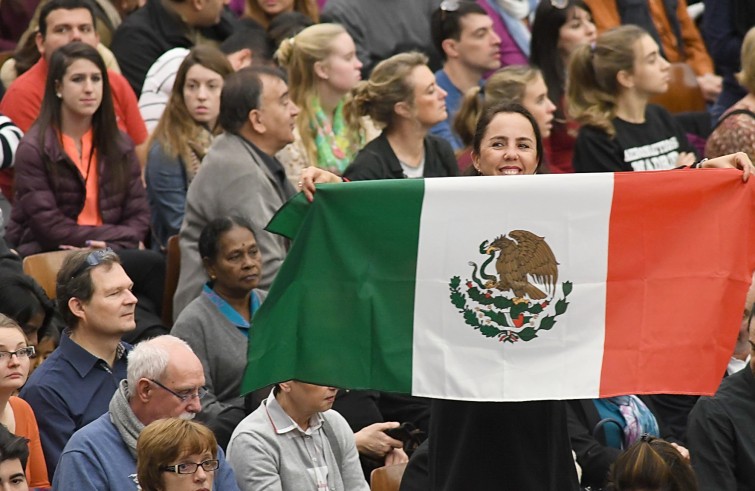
pixel 10 135
pixel 158 85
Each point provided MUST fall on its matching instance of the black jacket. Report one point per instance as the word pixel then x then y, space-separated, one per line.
pixel 378 161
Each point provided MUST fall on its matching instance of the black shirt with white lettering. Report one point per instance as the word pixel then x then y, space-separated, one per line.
pixel 652 145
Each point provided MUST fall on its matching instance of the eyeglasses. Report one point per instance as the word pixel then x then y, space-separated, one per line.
pixel 200 393
pixel 93 259
pixel 20 353
pixel 190 467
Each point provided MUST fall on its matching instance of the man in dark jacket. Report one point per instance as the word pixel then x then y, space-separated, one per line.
pixel 166 24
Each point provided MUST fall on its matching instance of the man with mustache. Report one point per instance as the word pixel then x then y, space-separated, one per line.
pixel 165 380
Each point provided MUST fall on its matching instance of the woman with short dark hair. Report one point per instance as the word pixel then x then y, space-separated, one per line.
pixel 217 323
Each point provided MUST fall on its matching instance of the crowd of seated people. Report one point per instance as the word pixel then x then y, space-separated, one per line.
pixel 124 123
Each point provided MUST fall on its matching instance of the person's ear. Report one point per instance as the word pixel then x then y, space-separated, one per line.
pixel 625 79
pixel 476 162
pixel 76 306
pixel 39 40
pixel 285 386
pixel 320 70
pixel 403 109
pixel 450 48
pixel 209 268
pixel 255 119
pixel 240 59
pixel 142 391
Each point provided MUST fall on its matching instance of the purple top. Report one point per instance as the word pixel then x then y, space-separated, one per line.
pixel 510 52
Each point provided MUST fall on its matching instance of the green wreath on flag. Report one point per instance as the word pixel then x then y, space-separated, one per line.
pixel 499 316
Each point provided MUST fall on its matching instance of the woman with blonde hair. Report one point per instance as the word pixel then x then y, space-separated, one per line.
pixel 516 84
pixel 176 455
pixel 401 96
pixel 263 11
pixel 182 137
pixel 322 69
pixel 608 89
pixel 735 129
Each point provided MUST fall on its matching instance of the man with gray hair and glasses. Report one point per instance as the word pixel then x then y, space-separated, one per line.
pixel 165 380
pixel 74 385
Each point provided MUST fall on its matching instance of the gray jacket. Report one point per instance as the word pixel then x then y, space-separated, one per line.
pixel 222 349
pixel 232 180
pixel 266 460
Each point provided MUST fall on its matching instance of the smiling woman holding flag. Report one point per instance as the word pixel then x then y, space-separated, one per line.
pixel 522 445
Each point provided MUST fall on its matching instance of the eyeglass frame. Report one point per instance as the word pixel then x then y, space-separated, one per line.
pixel 94 258
pixel 175 468
pixel 30 353
pixel 200 393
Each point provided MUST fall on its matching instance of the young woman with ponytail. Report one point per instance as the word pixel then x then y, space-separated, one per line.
pixel 608 89
pixel 516 84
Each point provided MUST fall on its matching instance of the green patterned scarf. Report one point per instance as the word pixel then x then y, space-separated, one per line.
pixel 334 150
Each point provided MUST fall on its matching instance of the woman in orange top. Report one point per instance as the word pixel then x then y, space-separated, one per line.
pixel 15 413
pixel 78 182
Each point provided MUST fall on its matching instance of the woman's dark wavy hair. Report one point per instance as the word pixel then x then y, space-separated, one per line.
pixel 21 298
pixel 105 133
pixel 487 117
pixel 544 52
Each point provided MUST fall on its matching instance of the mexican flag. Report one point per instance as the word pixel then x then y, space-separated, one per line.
pixel 511 288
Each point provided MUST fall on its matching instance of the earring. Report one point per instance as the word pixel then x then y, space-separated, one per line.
pixel 58 95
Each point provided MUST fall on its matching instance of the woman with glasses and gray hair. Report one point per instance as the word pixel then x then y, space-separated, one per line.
pixel 176 455
pixel 15 413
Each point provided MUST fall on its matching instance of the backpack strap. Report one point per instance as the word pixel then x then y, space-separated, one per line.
pixel 733 113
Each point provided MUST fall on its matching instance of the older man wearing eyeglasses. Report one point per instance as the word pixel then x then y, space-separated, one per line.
pixel 74 385
pixel 165 380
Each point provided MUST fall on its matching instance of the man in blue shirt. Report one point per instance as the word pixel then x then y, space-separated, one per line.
pixel 165 380
pixel 74 385
pixel 470 48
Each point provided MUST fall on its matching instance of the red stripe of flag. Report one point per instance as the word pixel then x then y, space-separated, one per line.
pixel 673 329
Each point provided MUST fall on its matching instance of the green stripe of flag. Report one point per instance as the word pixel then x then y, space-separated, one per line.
pixel 341 309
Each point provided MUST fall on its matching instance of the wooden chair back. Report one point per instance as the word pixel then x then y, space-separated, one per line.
pixel 172 269
pixel 683 94
pixel 44 269
pixel 387 478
